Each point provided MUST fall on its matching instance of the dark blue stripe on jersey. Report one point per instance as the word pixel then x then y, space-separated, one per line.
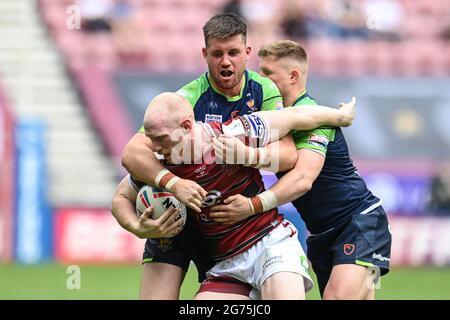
pixel 303 96
pixel 215 104
pixel 268 99
pixel 337 193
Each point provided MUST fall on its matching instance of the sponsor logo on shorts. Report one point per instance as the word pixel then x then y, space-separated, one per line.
pixel 272 260
pixel 349 248
pixel 304 262
pixel 165 243
pixel 380 257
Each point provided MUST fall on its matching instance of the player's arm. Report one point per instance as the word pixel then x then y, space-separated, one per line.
pixel 140 161
pixel 263 127
pixel 291 186
pixel 306 117
pixel 124 211
pixel 299 180
pixel 281 155
pixel 277 156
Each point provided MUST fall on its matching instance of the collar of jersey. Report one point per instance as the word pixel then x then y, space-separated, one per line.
pixel 232 99
pixel 300 97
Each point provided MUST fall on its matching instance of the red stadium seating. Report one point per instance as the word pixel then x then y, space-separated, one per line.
pixel 171 32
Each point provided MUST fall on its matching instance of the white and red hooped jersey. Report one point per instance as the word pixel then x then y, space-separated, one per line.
pixel 224 180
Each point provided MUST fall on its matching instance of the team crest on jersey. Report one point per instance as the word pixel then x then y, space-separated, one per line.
pixel 200 172
pixel 213 118
pixel 234 114
pixel 349 248
pixel 251 104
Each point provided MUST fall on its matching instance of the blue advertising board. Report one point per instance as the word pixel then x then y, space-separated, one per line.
pixel 33 217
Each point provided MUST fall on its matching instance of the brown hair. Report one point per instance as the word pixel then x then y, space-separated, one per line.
pixel 223 26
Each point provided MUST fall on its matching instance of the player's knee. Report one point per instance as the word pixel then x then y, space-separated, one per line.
pixel 344 291
pixel 335 293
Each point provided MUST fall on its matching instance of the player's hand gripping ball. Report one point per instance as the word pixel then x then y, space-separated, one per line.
pixel 161 200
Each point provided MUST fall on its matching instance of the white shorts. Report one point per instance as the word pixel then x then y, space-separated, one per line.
pixel 278 251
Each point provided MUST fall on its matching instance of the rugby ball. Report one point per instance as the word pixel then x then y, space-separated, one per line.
pixel 161 200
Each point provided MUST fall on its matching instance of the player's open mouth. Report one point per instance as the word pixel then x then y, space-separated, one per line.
pixel 226 74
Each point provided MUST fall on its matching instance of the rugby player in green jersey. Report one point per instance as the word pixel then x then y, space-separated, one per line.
pixel 349 243
pixel 225 91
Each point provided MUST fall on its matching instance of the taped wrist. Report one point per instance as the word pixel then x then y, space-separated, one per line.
pixel 264 202
pixel 165 179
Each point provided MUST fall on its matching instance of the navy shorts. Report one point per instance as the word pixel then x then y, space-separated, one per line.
pixel 363 240
pixel 180 250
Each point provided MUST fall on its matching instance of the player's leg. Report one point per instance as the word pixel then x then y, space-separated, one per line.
pixel 370 295
pixel 349 282
pixel 207 295
pixel 161 281
pixel 284 286
pixel 283 269
pixel 223 288
pixel 165 266
pixel 361 253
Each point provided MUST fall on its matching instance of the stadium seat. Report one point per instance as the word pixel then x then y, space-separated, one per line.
pixel 378 58
pixel 350 57
pixel 322 58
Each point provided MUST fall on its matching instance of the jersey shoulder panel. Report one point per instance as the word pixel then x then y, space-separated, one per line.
pixel 315 140
pixel 194 89
pixel 271 95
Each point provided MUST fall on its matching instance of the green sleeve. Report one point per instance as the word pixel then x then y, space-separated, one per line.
pixel 271 98
pixel 315 140
pixel 193 90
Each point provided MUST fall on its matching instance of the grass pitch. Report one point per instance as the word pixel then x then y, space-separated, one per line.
pixel 48 281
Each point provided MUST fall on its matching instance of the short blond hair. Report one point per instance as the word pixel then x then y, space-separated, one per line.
pixel 285 49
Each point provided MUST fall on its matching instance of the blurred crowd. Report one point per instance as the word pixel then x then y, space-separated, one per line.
pixel 116 19
pixel 340 19
pixel 128 23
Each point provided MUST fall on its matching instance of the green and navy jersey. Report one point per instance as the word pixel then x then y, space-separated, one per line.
pixel 257 94
pixel 339 191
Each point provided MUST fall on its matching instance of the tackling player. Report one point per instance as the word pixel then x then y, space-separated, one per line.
pixel 349 244
pixel 225 91
pixel 243 249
